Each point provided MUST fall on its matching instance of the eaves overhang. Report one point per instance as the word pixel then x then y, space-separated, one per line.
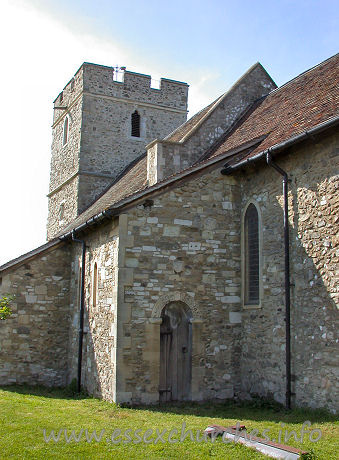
pixel 278 148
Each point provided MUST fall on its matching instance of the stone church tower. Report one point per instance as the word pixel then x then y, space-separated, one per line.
pixel 100 126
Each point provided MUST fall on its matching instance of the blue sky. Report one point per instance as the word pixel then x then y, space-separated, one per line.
pixel 224 37
pixel 207 44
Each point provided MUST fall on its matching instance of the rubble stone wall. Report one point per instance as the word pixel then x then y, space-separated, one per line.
pixel 57 218
pixel 99 340
pixel 314 250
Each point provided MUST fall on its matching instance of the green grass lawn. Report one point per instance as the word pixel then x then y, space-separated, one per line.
pixel 26 411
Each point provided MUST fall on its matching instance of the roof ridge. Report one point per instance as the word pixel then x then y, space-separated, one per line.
pixel 303 73
pixel 28 255
pixel 211 107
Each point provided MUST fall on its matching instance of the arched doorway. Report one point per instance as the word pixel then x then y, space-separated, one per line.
pixel 175 352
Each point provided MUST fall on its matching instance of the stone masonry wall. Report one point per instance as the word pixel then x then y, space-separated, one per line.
pixel 65 158
pixel 100 144
pixel 88 190
pixel 34 340
pixel 64 183
pixel 135 86
pixel 174 157
pixel 185 247
pixel 66 196
pixel 254 85
pixel 69 94
pixel 107 145
pixel 313 207
pixel 99 343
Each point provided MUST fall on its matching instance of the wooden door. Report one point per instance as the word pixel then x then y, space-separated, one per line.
pixel 175 353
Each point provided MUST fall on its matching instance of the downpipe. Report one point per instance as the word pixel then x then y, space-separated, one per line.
pixel 82 309
pixel 287 278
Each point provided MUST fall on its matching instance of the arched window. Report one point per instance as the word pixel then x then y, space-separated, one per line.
pixel 135 124
pixel 95 285
pixel 251 248
pixel 65 132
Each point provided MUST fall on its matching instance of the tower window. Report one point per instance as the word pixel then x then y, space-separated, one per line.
pixel 251 255
pixel 65 131
pixel 135 124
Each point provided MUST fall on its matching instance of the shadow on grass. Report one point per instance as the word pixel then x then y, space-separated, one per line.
pixel 46 392
pixel 254 410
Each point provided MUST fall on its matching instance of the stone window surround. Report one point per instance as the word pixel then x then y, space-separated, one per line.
pixel 142 136
pixel 243 258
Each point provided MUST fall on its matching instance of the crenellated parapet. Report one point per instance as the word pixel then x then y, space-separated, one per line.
pixel 103 119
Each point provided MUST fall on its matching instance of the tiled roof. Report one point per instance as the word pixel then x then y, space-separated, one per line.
pixel 306 101
pixel 302 103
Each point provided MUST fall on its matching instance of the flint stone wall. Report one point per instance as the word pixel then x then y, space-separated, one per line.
pixel 314 249
pixel 99 340
pixel 66 196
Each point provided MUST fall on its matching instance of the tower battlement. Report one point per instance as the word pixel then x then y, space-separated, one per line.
pixel 99 126
pixel 135 87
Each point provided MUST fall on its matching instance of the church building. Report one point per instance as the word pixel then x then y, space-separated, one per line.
pixel 185 260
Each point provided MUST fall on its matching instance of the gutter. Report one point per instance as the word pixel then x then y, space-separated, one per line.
pixel 115 209
pixel 271 163
pixel 228 168
pixel 82 308
pixel 267 154
pixel 92 221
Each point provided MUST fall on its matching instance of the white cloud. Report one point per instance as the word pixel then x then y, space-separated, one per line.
pixel 39 56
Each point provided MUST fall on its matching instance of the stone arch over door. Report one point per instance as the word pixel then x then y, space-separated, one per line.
pixel 176 297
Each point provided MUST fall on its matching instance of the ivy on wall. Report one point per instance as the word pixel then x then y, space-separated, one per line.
pixel 5 310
